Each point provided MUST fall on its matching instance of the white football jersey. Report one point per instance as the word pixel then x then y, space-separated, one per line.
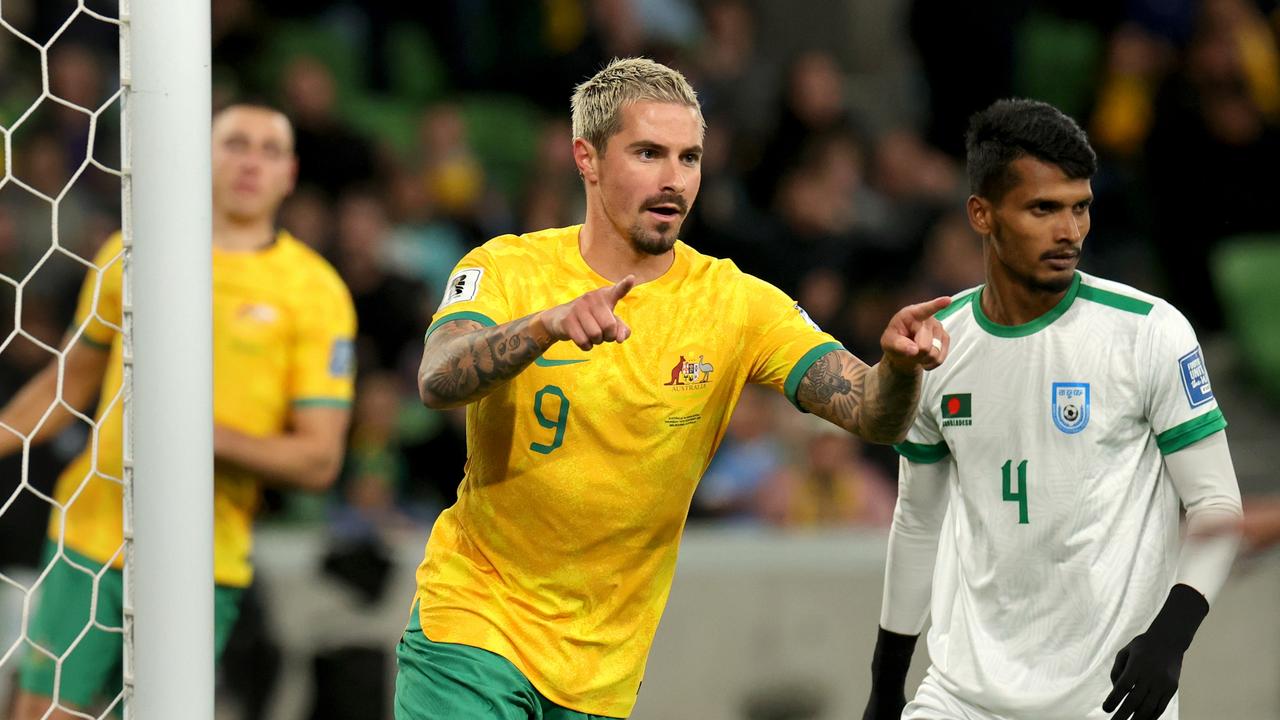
pixel 1062 534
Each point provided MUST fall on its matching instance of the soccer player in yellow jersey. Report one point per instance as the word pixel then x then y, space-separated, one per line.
pixel 283 326
pixel 542 586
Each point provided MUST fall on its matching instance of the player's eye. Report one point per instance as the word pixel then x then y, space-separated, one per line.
pixel 647 153
pixel 692 159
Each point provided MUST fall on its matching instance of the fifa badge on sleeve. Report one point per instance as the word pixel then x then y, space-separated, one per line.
pixel 1195 378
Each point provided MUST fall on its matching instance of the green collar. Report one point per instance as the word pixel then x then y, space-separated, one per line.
pixel 1028 328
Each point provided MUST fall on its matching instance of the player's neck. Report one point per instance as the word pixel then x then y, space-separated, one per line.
pixel 613 258
pixel 1008 301
pixel 237 236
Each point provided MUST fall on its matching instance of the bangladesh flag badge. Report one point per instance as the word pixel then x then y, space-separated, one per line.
pixel 957 410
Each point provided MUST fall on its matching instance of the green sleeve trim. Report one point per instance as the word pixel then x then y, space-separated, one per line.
pixel 925 454
pixel 955 305
pixel 465 315
pixel 96 345
pixel 802 366
pixel 1115 300
pixel 331 402
pixel 1190 432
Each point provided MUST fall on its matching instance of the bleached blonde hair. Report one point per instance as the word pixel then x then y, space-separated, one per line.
pixel 597 103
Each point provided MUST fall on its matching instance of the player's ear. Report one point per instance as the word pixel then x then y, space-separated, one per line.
pixel 586 158
pixel 979 210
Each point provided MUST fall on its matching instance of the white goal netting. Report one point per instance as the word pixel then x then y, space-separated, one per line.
pixel 60 198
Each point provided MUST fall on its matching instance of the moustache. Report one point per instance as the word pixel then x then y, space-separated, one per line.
pixel 668 199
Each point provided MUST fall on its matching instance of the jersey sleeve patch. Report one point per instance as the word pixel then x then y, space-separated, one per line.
pixel 463 286
pixel 342 358
pixel 1195 378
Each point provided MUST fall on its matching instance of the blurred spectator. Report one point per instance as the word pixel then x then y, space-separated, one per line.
pixel 391 310
pixel 1214 144
pixel 422 245
pixel 331 155
pixel 375 474
pixel 735 83
pixel 831 485
pixel 452 174
pixel 308 215
pixel 813 106
pixel 752 453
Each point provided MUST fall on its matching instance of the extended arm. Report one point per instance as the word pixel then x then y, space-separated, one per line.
pixel 83 365
pixel 305 457
pixel 878 403
pixel 463 360
pixel 908 581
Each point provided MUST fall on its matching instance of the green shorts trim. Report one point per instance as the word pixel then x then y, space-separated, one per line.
pixel 447 680
pixel 91 653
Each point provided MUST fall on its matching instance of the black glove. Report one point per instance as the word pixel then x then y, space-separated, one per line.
pixel 889 667
pixel 1146 671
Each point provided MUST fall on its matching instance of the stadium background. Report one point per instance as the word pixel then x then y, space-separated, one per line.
pixel 832 169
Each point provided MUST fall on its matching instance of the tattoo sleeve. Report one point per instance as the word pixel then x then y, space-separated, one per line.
pixel 877 403
pixel 463 360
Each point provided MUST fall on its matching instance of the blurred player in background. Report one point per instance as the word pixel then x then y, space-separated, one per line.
pixel 542 587
pixel 1074 417
pixel 283 326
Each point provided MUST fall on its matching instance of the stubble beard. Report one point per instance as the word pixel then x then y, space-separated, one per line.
pixel 653 242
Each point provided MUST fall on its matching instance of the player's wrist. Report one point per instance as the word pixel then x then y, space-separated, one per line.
pixel 892 659
pixel 1180 617
pixel 900 367
pixel 540 332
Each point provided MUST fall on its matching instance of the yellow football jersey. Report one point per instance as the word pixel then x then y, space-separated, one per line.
pixel 283 330
pixel 560 551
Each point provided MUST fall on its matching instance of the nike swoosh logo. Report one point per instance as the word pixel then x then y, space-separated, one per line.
pixel 543 362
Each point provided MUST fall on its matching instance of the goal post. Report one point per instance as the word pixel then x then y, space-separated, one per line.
pixel 167 189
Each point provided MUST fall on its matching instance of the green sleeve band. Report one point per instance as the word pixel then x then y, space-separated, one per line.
pixel 466 315
pixel 96 345
pixel 924 454
pixel 802 366
pixel 1190 432
pixel 331 402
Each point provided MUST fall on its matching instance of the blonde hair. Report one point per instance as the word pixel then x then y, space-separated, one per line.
pixel 597 103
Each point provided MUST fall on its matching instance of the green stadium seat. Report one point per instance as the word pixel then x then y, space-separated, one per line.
pixel 290 40
pixel 1058 61
pixel 391 122
pixel 1246 273
pixel 416 71
pixel 503 130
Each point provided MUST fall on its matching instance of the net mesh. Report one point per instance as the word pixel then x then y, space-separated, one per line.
pixel 60 196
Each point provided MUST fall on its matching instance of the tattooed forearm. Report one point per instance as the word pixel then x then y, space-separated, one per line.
pixel 875 403
pixel 463 361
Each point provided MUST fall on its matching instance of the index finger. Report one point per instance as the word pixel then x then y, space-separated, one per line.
pixel 926 310
pixel 620 289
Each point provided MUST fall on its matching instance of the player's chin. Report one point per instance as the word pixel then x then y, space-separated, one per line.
pixel 1056 279
pixel 656 241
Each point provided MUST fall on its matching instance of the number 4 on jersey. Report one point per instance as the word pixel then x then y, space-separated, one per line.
pixel 1021 495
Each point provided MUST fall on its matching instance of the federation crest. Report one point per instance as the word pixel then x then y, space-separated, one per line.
pixel 690 373
pixel 1070 406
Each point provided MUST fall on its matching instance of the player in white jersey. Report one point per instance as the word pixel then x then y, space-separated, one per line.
pixel 1039 488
